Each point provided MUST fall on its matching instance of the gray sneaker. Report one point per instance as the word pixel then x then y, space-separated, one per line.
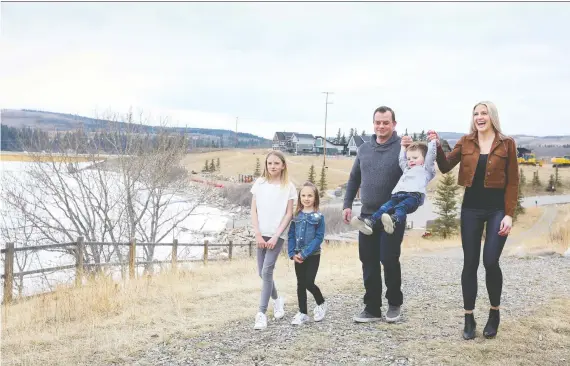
pixel 366 317
pixel 363 225
pixel 393 314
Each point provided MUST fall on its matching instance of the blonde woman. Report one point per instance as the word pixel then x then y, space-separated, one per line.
pixel 488 170
pixel 271 212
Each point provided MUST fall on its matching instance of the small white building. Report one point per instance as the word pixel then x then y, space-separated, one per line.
pixel 302 143
pixel 355 142
pixel 332 149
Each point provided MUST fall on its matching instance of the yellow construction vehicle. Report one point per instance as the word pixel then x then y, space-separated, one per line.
pixel 527 157
pixel 560 161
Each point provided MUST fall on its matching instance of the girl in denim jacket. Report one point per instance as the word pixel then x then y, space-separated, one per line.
pixel 306 235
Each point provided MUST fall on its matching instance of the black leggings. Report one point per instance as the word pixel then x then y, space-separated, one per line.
pixel 472 221
pixel 306 273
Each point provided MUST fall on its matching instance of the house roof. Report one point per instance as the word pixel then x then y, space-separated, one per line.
pixel 304 135
pixel 284 135
pixel 329 141
pixel 359 140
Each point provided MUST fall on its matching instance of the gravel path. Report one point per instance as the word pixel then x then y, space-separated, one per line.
pixel 432 310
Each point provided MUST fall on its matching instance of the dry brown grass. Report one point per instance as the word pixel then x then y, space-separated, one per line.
pixel 537 240
pixel 105 321
pixel 238 161
pixel 541 339
pixel 544 173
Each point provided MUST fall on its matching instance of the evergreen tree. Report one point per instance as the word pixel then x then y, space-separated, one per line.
pixel 557 178
pixel 536 180
pixel 414 137
pixel 212 166
pixel 206 167
pixel 522 178
pixel 551 183
pixel 422 136
pixel 519 210
pixel 257 171
pixel 351 133
pixel 406 133
pixel 337 138
pixel 312 174
pixel 218 164
pixel 343 139
pixel 323 182
pixel 446 203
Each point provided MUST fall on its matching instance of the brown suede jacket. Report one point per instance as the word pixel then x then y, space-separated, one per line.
pixel 502 167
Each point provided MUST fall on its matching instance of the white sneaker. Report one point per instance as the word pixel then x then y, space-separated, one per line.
pixel 279 308
pixel 300 318
pixel 260 321
pixel 320 312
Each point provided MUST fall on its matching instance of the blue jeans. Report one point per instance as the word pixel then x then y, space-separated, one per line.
pixel 401 204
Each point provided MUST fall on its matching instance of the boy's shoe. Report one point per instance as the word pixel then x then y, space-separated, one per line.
pixel 320 312
pixel 366 317
pixel 279 308
pixel 388 222
pixel 363 225
pixel 393 314
pixel 300 318
pixel 260 321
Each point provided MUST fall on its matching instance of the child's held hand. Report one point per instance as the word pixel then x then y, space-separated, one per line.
pixel 297 258
pixel 271 243
pixel 260 242
pixel 406 141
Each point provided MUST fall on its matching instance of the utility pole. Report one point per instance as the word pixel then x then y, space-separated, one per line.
pixel 325 136
pixel 236 132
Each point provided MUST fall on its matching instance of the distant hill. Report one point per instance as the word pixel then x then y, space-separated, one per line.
pixel 62 122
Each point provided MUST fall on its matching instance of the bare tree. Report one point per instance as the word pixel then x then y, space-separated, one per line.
pixel 128 184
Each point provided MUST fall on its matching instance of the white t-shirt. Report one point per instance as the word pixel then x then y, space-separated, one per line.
pixel 271 203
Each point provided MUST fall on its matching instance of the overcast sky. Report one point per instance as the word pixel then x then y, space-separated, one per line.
pixel 204 64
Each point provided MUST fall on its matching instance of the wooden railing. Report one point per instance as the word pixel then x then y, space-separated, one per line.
pixel 79 249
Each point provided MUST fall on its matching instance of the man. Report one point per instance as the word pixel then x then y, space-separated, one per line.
pixel 376 172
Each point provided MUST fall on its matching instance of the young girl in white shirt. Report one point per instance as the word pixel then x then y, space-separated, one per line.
pixel 271 211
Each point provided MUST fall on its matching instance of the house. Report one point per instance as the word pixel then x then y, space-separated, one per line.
pixel 302 143
pixel 332 149
pixel 282 141
pixel 355 142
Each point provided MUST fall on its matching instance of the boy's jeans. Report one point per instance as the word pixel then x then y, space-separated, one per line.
pixel 401 204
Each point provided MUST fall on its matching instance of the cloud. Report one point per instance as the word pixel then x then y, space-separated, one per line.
pixel 268 63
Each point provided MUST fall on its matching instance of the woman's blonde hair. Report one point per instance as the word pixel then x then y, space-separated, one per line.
pixel 315 192
pixel 284 173
pixel 493 116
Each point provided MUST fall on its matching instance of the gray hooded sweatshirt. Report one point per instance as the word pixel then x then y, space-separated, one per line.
pixel 376 172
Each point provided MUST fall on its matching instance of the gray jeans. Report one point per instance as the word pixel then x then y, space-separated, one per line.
pixel 266 259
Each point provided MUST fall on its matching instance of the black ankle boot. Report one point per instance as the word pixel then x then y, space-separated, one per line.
pixel 469 330
pixel 492 326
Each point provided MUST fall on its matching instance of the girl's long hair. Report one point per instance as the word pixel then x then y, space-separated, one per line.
pixel 493 116
pixel 315 192
pixel 284 172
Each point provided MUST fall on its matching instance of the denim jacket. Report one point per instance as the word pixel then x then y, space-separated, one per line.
pixel 306 234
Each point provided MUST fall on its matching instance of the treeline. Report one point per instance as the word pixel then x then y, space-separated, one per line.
pixel 81 142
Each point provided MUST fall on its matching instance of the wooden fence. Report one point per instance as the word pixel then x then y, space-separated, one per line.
pixel 79 249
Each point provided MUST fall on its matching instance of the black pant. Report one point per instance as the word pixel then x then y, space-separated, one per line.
pixel 376 248
pixel 472 221
pixel 306 273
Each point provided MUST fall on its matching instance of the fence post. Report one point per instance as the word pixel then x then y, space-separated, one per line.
pixel 174 254
pixel 132 254
pixel 205 252
pixel 79 251
pixel 8 272
pixel 250 249
pixel 230 250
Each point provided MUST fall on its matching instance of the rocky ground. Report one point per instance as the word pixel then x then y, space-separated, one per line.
pixel 431 311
